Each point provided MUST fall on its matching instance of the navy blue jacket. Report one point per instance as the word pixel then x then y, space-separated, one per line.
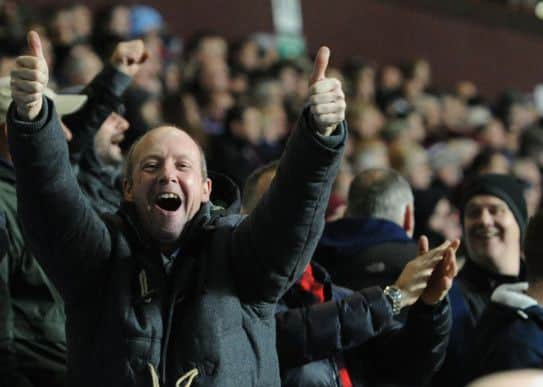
pixel 357 328
pixel 510 333
pixel 363 252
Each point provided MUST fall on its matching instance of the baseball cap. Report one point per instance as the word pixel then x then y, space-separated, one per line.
pixel 64 103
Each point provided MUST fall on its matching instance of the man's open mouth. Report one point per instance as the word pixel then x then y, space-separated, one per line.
pixel 168 201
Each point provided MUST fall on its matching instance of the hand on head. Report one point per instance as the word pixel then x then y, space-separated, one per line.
pixel 129 56
pixel 29 79
pixel 326 97
pixel 429 276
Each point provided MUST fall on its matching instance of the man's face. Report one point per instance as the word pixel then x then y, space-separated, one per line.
pixel 167 188
pixel 492 234
pixel 108 138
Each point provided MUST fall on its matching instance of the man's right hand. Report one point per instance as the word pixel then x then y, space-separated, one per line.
pixel 29 79
pixel 415 276
pixel 129 56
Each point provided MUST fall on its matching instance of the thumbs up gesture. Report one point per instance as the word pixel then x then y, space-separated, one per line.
pixel 29 79
pixel 326 97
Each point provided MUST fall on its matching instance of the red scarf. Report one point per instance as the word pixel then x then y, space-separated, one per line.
pixel 310 284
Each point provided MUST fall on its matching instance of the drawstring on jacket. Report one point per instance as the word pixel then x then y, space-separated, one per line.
pixel 188 377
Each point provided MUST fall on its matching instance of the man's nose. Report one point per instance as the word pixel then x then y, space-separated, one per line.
pixel 168 174
pixel 486 217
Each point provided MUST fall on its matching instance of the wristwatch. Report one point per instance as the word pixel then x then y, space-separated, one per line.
pixel 395 297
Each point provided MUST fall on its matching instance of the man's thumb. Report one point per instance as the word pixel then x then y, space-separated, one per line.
pixel 320 65
pixel 34 43
pixel 423 245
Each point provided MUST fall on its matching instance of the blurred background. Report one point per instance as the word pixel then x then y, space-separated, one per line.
pixel 439 90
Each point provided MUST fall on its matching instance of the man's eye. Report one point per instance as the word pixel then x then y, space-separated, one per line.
pixel 149 167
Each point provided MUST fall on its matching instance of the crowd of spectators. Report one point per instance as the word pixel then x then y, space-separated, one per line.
pixel 239 100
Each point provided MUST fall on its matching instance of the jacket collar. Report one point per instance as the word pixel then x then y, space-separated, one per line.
pixel 348 236
pixel 484 279
pixel 513 295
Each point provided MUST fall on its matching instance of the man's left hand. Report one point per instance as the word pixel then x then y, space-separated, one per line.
pixel 442 277
pixel 326 96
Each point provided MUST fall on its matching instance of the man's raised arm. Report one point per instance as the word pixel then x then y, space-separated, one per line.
pixel 64 233
pixel 275 243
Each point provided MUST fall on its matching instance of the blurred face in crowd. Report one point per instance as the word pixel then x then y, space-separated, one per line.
pixel 120 21
pixel 422 72
pixel 214 76
pixel 367 122
pixel 82 20
pixel 249 128
pixel 219 103
pixel 167 185
pixel 81 66
pixel 498 163
pixel 445 220
pixel 62 28
pixel 493 135
pixel 521 116
pixel 212 47
pixel 289 79
pixel 415 127
pixel 528 171
pixel 248 56
pixel 275 125
pixel 108 138
pixel 492 234
pixel 365 84
pixel 391 77
pixel 454 113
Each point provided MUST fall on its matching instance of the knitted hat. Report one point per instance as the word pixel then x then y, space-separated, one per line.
pixel 507 188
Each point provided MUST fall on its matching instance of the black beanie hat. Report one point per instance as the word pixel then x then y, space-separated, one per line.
pixel 507 188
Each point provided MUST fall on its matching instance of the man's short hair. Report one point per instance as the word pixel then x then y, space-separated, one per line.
pixel 129 160
pixel 533 248
pixel 379 193
pixel 251 196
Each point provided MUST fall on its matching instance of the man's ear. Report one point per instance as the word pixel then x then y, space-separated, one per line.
pixel 409 220
pixel 206 192
pixel 127 191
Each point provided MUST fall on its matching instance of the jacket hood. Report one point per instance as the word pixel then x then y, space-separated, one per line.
pixel 225 193
pixel 349 236
pixel 513 296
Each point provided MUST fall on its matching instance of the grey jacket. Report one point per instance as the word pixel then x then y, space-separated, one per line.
pixel 130 324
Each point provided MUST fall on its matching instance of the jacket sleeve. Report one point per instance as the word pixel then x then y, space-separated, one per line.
pixel 410 354
pixel 63 231
pixel 10 374
pixel 273 245
pixel 103 97
pixel 319 331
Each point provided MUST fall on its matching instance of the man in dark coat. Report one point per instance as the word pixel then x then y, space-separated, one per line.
pixel 169 290
pixel 331 336
pixel 32 318
pixel 494 216
pixel 510 333
pixel 371 245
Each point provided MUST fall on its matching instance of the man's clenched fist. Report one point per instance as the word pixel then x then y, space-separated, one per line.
pixel 129 56
pixel 326 97
pixel 29 79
